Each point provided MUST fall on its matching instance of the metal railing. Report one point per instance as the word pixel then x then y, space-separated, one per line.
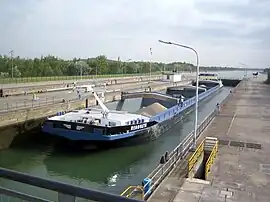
pixel 194 157
pixel 178 154
pixel 133 192
pixel 211 158
pixel 30 103
pixel 59 78
pixel 66 192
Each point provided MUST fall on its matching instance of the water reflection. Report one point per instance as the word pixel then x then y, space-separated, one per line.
pixel 85 166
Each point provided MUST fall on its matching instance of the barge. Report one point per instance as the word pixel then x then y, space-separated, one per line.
pixel 101 128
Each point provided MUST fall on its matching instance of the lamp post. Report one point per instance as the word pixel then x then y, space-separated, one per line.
pixel 81 70
pixel 245 76
pixel 150 66
pixel 197 86
pixel 245 68
pixel 11 56
pixel 76 65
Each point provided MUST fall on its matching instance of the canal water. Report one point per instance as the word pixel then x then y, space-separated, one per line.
pixel 111 170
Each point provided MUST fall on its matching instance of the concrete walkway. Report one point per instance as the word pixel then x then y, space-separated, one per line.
pixel 241 171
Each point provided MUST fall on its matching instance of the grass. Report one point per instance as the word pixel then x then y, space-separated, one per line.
pixel 57 78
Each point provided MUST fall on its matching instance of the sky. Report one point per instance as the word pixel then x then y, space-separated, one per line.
pixel 224 32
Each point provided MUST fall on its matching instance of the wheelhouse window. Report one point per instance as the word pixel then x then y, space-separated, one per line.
pixel 112 123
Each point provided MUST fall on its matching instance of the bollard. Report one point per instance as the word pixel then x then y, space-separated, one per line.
pixel 166 156
pixel 147 186
pixel 86 103
pixel 162 160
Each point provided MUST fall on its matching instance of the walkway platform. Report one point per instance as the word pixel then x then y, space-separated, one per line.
pixel 241 171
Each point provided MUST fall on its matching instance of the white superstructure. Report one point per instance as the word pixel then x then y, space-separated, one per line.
pixel 97 117
pixel 102 117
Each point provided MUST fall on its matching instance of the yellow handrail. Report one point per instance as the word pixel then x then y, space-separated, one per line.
pixel 194 157
pixel 134 189
pixel 211 159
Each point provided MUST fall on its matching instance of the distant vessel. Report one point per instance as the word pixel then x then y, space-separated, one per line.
pixel 104 128
pixel 208 79
pixel 208 76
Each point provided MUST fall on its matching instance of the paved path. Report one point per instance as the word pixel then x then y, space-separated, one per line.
pixel 241 172
pixel 99 80
pixel 83 81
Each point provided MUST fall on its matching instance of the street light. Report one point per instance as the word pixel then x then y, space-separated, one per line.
pixel 11 55
pixel 150 66
pixel 245 76
pixel 197 86
pixel 76 64
pixel 245 69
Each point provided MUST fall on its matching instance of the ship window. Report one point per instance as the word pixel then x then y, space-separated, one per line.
pixel 139 121
pixel 112 124
pixel 131 122
pixel 142 120
pixel 135 122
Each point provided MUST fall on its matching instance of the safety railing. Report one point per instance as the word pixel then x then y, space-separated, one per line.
pixel 179 153
pixel 195 156
pixel 151 182
pixel 66 192
pixel 134 192
pixel 60 78
pixel 211 158
pixel 30 103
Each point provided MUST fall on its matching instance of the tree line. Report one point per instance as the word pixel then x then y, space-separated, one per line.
pixel 54 66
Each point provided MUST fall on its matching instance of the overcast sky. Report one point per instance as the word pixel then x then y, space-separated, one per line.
pixel 224 32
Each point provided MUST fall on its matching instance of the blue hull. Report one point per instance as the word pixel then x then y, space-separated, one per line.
pixel 157 125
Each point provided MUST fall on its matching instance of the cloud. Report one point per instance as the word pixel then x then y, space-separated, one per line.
pixel 224 31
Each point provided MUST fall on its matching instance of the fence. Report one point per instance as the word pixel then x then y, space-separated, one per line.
pixel 65 192
pixel 30 103
pixel 212 156
pixel 56 78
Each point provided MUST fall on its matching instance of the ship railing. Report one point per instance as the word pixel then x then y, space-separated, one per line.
pixel 58 191
pixel 186 104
